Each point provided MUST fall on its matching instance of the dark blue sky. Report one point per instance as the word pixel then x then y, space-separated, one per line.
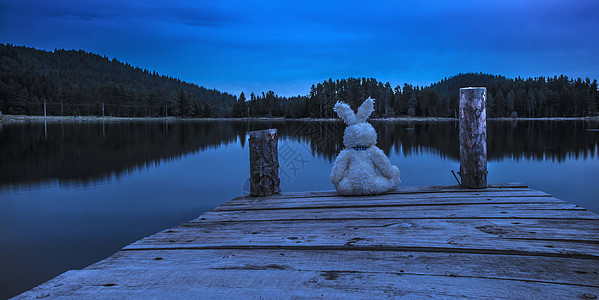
pixel 287 46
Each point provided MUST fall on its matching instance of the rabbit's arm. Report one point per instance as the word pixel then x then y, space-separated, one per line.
pixel 339 167
pixel 383 164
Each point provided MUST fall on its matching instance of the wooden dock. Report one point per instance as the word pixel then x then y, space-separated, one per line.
pixel 506 241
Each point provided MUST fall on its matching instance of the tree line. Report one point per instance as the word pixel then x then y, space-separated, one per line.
pixel 81 83
pixel 531 97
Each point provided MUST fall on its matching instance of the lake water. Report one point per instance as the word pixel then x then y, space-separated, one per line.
pixel 72 194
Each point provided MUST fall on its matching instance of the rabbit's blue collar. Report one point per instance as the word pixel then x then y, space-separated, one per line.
pixel 360 148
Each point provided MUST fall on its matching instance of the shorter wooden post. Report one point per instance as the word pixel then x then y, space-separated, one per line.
pixel 264 163
pixel 473 137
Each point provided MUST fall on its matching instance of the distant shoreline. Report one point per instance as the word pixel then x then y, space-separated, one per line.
pixel 12 119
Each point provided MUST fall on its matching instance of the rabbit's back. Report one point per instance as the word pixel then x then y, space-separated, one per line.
pixel 361 164
pixel 361 176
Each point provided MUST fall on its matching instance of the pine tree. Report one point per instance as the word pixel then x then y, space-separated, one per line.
pixel 500 104
pixel 197 109
pixel 510 101
pixel 412 102
pixel 396 100
pixel 490 105
pixel 594 98
pixel 405 98
pixel 184 104
pixel 207 113
pixel 531 101
pixel 239 108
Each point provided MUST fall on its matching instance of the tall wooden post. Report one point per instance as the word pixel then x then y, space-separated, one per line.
pixel 473 137
pixel 44 108
pixel 264 163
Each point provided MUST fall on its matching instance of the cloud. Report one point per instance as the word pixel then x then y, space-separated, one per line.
pixel 257 44
pixel 202 16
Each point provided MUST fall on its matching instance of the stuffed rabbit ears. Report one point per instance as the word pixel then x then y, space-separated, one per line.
pixel 347 114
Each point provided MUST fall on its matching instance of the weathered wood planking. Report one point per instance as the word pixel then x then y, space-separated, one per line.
pixel 481 211
pixel 187 283
pixel 506 241
pixel 577 238
pixel 425 263
pixel 387 200
pixel 403 190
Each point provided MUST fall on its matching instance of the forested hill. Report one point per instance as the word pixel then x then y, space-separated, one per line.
pixel 556 96
pixel 82 83
pixel 78 83
pixel 532 97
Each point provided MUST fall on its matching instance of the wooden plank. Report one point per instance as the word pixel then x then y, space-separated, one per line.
pixel 273 284
pixel 496 194
pixel 384 200
pixel 521 211
pixel 441 242
pixel 530 237
pixel 514 267
pixel 404 190
pixel 508 228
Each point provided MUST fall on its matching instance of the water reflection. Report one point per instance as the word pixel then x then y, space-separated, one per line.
pixel 48 229
pixel 84 153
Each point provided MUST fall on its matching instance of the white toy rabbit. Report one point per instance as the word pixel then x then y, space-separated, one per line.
pixel 355 169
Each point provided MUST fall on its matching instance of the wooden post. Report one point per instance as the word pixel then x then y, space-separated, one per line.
pixel 44 108
pixel 264 163
pixel 473 137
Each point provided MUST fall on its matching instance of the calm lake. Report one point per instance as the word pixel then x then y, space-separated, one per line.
pixel 72 194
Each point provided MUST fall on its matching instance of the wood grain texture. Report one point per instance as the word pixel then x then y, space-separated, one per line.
pixel 273 283
pixel 503 242
pixel 473 137
pixel 535 237
pixel 387 200
pixel 264 163
pixel 514 267
pixel 498 210
pixel 398 190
